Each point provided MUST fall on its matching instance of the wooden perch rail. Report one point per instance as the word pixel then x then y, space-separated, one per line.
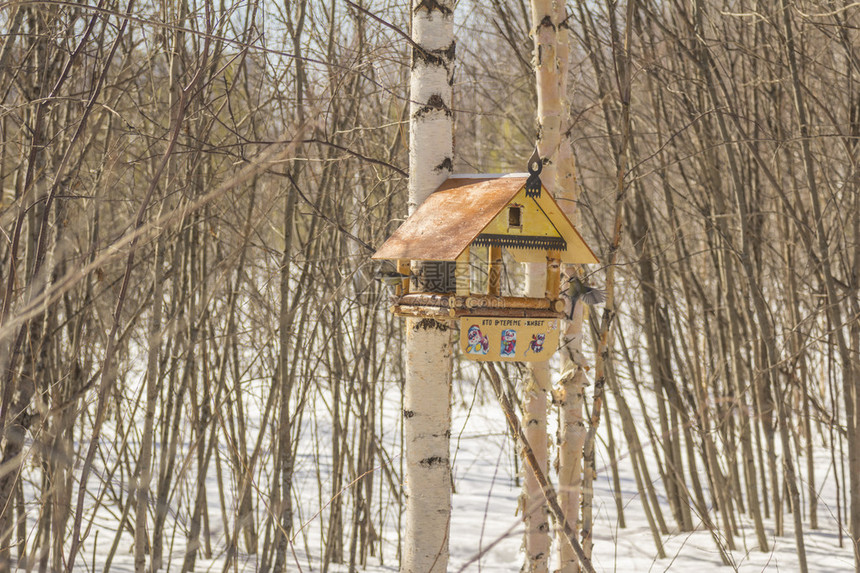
pixel 479 301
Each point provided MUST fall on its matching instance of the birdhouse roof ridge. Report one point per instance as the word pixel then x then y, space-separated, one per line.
pixel 487 175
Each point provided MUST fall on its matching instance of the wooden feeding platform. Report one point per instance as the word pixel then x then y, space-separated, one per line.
pixel 487 212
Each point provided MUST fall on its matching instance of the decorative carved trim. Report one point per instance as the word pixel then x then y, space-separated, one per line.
pixel 521 242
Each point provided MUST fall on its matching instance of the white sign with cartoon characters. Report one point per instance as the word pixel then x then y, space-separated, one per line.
pixel 513 339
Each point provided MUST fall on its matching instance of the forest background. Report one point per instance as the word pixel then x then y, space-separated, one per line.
pixel 191 192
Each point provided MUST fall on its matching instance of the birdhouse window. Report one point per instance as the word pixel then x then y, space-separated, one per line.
pixel 515 216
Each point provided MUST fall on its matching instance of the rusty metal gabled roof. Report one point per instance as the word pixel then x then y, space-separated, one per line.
pixel 450 218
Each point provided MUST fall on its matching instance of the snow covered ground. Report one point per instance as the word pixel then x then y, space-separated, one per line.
pixel 485 532
pixel 486 499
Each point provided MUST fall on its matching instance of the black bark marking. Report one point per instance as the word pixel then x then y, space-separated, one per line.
pixel 431 6
pixel 441 57
pixel 431 324
pixel 546 23
pixel 435 103
pixel 433 461
pixel 446 165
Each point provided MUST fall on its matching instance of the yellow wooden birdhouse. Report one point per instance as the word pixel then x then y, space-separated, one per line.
pixel 488 212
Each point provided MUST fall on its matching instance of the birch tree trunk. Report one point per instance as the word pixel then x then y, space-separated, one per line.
pixel 570 390
pixel 559 177
pixel 427 392
pixel 536 540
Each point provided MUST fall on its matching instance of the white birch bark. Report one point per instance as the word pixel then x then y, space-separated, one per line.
pixel 570 390
pixel 568 394
pixel 427 394
pixel 537 539
pixel 427 412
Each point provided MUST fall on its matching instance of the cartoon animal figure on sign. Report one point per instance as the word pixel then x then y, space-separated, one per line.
pixel 509 342
pixel 536 345
pixel 478 343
